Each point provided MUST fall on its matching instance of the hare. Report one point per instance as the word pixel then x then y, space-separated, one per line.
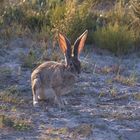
pixel 51 79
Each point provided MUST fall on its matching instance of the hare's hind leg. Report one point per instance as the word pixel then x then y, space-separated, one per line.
pixel 36 92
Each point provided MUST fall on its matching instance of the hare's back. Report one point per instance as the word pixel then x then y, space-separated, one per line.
pixel 45 71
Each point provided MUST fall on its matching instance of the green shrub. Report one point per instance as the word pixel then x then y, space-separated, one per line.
pixel 29 59
pixel 72 18
pixel 115 38
pixel 135 21
pixel 15 123
pixel 14 30
pixel 119 13
pixel 13 14
pixel 34 23
pixel 31 14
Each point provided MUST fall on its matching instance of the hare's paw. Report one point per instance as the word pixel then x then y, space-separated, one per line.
pixel 36 104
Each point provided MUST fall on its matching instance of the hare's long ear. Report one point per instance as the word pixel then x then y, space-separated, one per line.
pixel 65 45
pixel 79 44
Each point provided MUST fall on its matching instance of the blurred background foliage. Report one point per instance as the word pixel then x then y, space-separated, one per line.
pixel 113 24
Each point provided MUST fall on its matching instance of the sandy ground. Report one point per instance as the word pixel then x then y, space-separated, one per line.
pixel 103 105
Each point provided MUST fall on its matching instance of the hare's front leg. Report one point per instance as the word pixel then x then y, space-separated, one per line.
pixel 35 91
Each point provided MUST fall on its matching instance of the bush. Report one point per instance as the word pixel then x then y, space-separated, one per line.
pixel 119 13
pixel 115 38
pixel 73 18
pixel 135 21
pixel 34 23
pixel 28 14
pixel 29 59
pixel 69 17
pixel 13 14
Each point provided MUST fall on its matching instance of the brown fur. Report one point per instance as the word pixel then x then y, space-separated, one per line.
pixel 53 79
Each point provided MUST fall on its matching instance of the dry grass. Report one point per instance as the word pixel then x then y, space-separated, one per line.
pixel 4 107
pixel 15 123
pixel 137 96
pixel 5 72
pixel 83 130
pixel 11 95
pixel 130 80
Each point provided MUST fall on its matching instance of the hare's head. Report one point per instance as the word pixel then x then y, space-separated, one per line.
pixel 71 53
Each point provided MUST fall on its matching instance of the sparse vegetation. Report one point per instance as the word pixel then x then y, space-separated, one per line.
pixel 29 59
pixel 130 80
pixel 4 107
pixel 117 39
pixel 5 72
pixel 11 95
pixel 135 24
pixel 15 123
pixel 104 103
pixel 116 29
